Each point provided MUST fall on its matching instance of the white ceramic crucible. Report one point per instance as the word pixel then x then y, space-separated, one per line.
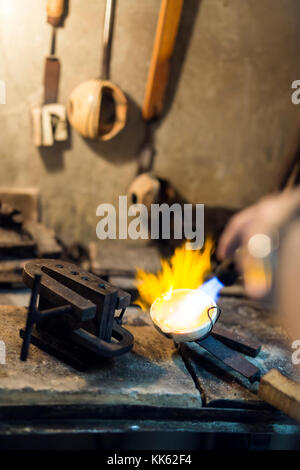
pixel 184 314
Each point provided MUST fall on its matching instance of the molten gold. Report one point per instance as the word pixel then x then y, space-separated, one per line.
pixel 181 311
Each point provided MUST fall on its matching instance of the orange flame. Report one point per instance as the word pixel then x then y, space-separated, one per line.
pixel 185 270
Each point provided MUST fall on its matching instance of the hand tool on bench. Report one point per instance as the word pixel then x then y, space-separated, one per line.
pixel 75 320
pixel 97 109
pixel 50 120
pixel 157 81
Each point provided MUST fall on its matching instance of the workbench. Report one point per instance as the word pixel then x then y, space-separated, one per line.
pixel 159 395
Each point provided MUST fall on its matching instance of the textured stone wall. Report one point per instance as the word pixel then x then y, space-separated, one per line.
pixel 229 119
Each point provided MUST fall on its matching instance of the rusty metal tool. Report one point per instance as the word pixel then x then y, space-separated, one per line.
pixel 249 346
pixel 231 358
pixel 75 319
pixel 50 120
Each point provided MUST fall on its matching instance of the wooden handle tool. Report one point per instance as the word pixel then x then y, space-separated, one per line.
pixel 281 392
pixel 166 32
pixel 55 11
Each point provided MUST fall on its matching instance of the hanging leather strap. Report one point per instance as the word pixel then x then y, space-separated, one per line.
pixel 51 80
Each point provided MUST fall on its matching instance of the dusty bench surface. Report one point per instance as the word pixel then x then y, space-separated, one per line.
pixel 152 374
pixel 155 373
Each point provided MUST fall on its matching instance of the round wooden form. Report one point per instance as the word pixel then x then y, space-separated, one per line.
pixel 85 106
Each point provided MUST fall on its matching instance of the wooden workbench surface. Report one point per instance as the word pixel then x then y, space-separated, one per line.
pixel 155 373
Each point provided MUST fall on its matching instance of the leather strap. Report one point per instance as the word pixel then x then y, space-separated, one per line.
pixel 51 80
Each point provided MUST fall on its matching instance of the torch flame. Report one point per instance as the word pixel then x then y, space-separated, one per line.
pixel 185 270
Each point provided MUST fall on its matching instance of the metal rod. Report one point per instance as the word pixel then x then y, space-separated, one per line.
pixel 55 311
pixel 53 41
pixel 30 317
pixel 107 38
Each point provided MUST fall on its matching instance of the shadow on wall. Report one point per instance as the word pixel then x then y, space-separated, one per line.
pixel 53 157
pixel 123 147
pixel 185 33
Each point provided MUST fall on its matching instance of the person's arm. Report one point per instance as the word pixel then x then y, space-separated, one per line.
pixel 273 223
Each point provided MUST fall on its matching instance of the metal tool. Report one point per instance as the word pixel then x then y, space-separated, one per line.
pixel 97 109
pixel 50 120
pixel 75 319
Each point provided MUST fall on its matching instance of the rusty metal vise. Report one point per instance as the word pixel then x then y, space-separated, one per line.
pixel 75 318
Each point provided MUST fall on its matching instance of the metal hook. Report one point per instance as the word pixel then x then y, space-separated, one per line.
pixel 211 321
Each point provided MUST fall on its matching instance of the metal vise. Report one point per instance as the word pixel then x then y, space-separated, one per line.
pixel 75 318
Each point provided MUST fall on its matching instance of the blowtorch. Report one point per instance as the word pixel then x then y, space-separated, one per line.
pixel 259 269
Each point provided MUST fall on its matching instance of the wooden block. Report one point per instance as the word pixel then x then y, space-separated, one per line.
pixel 281 392
pixel 36 118
pixel 51 112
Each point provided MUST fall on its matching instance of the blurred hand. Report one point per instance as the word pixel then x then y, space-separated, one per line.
pixel 266 219
pixel 266 216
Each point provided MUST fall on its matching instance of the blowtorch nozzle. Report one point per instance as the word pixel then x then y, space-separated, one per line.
pixel 227 272
pixel 225 275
